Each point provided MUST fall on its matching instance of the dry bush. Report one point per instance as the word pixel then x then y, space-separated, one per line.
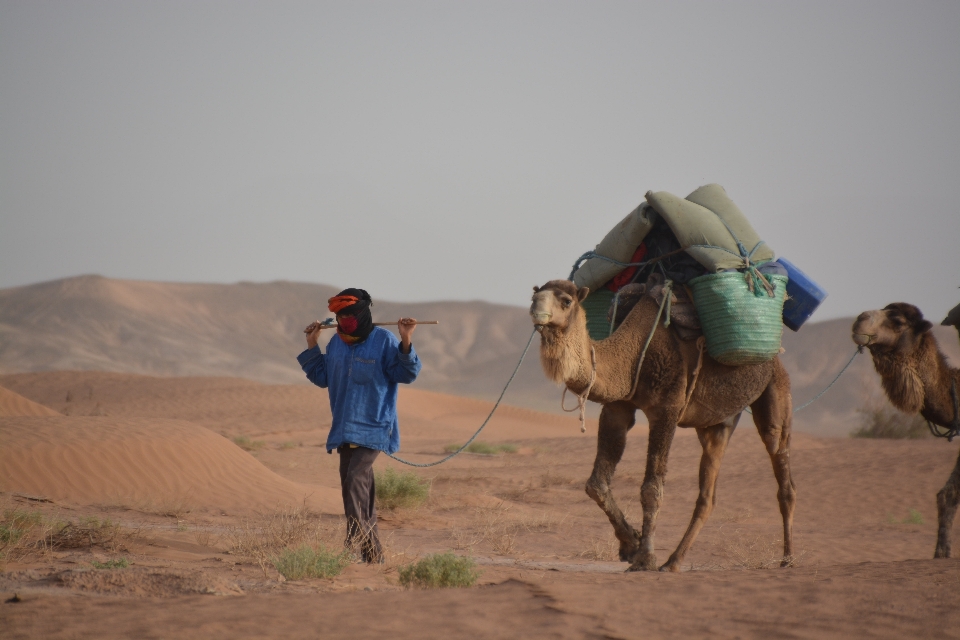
pixel 601 548
pixel 265 536
pixel 518 493
pixel 755 551
pixel 23 533
pixel 491 526
pixel 177 506
pixel 553 479
pixel 17 529
pixel 880 419
pixel 205 538
pixel 541 522
pixel 465 539
pixel 88 532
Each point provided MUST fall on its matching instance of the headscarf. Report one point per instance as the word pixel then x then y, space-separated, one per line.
pixel 354 322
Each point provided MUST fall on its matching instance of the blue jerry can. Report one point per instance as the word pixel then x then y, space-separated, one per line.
pixel 803 296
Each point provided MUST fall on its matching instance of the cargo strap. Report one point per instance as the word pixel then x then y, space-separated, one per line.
pixel 643 354
pixel 701 346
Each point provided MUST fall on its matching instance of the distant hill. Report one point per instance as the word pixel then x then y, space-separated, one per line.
pixel 254 330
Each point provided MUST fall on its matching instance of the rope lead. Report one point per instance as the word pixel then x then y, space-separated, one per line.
pixel 467 443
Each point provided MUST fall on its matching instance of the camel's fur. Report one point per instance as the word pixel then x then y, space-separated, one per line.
pixel 720 395
pixel 917 379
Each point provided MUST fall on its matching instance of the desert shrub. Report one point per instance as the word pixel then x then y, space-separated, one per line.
pixel 884 421
pixel 307 562
pixel 16 527
pixel 265 536
pixel 400 489
pixel 247 444
pixel 119 563
pixel 86 532
pixel 440 570
pixel 483 448
pixel 15 524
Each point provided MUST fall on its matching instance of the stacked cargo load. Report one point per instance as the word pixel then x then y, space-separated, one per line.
pixel 708 250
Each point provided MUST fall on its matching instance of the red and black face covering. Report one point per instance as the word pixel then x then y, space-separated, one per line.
pixel 354 322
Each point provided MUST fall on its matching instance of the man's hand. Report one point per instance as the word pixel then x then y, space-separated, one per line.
pixel 406 327
pixel 313 333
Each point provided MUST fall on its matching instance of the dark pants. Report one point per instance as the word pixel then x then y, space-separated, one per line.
pixel 359 495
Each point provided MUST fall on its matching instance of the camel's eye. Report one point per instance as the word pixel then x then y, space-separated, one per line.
pixel 565 303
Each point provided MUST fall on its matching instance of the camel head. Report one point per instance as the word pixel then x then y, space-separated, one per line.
pixel 556 309
pixel 895 328
pixel 556 304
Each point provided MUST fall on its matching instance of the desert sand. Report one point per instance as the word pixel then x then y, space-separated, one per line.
pixel 159 456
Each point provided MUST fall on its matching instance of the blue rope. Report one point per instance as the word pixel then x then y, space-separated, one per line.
pixel 817 397
pixel 589 255
pixel 467 443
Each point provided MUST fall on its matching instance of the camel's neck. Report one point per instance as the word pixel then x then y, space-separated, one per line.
pixel 566 358
pixel 565 353
pixel 919 382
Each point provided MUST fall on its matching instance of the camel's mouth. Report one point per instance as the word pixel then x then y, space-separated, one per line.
pixel 540 319
pixel 863 339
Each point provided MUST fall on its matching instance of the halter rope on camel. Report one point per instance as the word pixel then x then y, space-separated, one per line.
pixel 954 428
pixel 582 397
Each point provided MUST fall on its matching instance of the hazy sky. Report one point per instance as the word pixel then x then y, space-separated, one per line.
pixel 469 150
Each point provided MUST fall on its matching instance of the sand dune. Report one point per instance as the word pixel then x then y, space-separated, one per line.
pixel 254 331
pixel 153 465
pixel 14 404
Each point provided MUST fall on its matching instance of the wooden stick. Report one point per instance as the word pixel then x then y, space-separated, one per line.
pixel 333 325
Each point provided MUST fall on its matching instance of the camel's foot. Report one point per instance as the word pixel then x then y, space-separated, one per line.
pixel 788 561
pixel 643 562
pixel 942 551
pixel 630 548
pixel 671 566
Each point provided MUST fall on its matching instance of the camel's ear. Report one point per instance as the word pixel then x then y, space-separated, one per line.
pixel 582 293
pixel 922 326
pixel 536 289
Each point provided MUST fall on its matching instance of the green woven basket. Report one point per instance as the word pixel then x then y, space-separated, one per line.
pixel 595 306
pixel 739 326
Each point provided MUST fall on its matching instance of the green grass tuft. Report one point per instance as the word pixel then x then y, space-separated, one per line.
pixel 438 571
pixel 247 444
pixel 400 489
pixel 483 448
pixel 914 517
pixel 307 562
pixel 120 563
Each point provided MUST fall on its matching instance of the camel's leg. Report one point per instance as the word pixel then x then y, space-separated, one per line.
pixel 714 442
pixel 947 500
pixel 651 493
pixel 773 415
pixel 615 420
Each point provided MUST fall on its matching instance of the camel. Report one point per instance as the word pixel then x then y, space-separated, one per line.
pixel 917 379
pixel 604 372
pixel 953 318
